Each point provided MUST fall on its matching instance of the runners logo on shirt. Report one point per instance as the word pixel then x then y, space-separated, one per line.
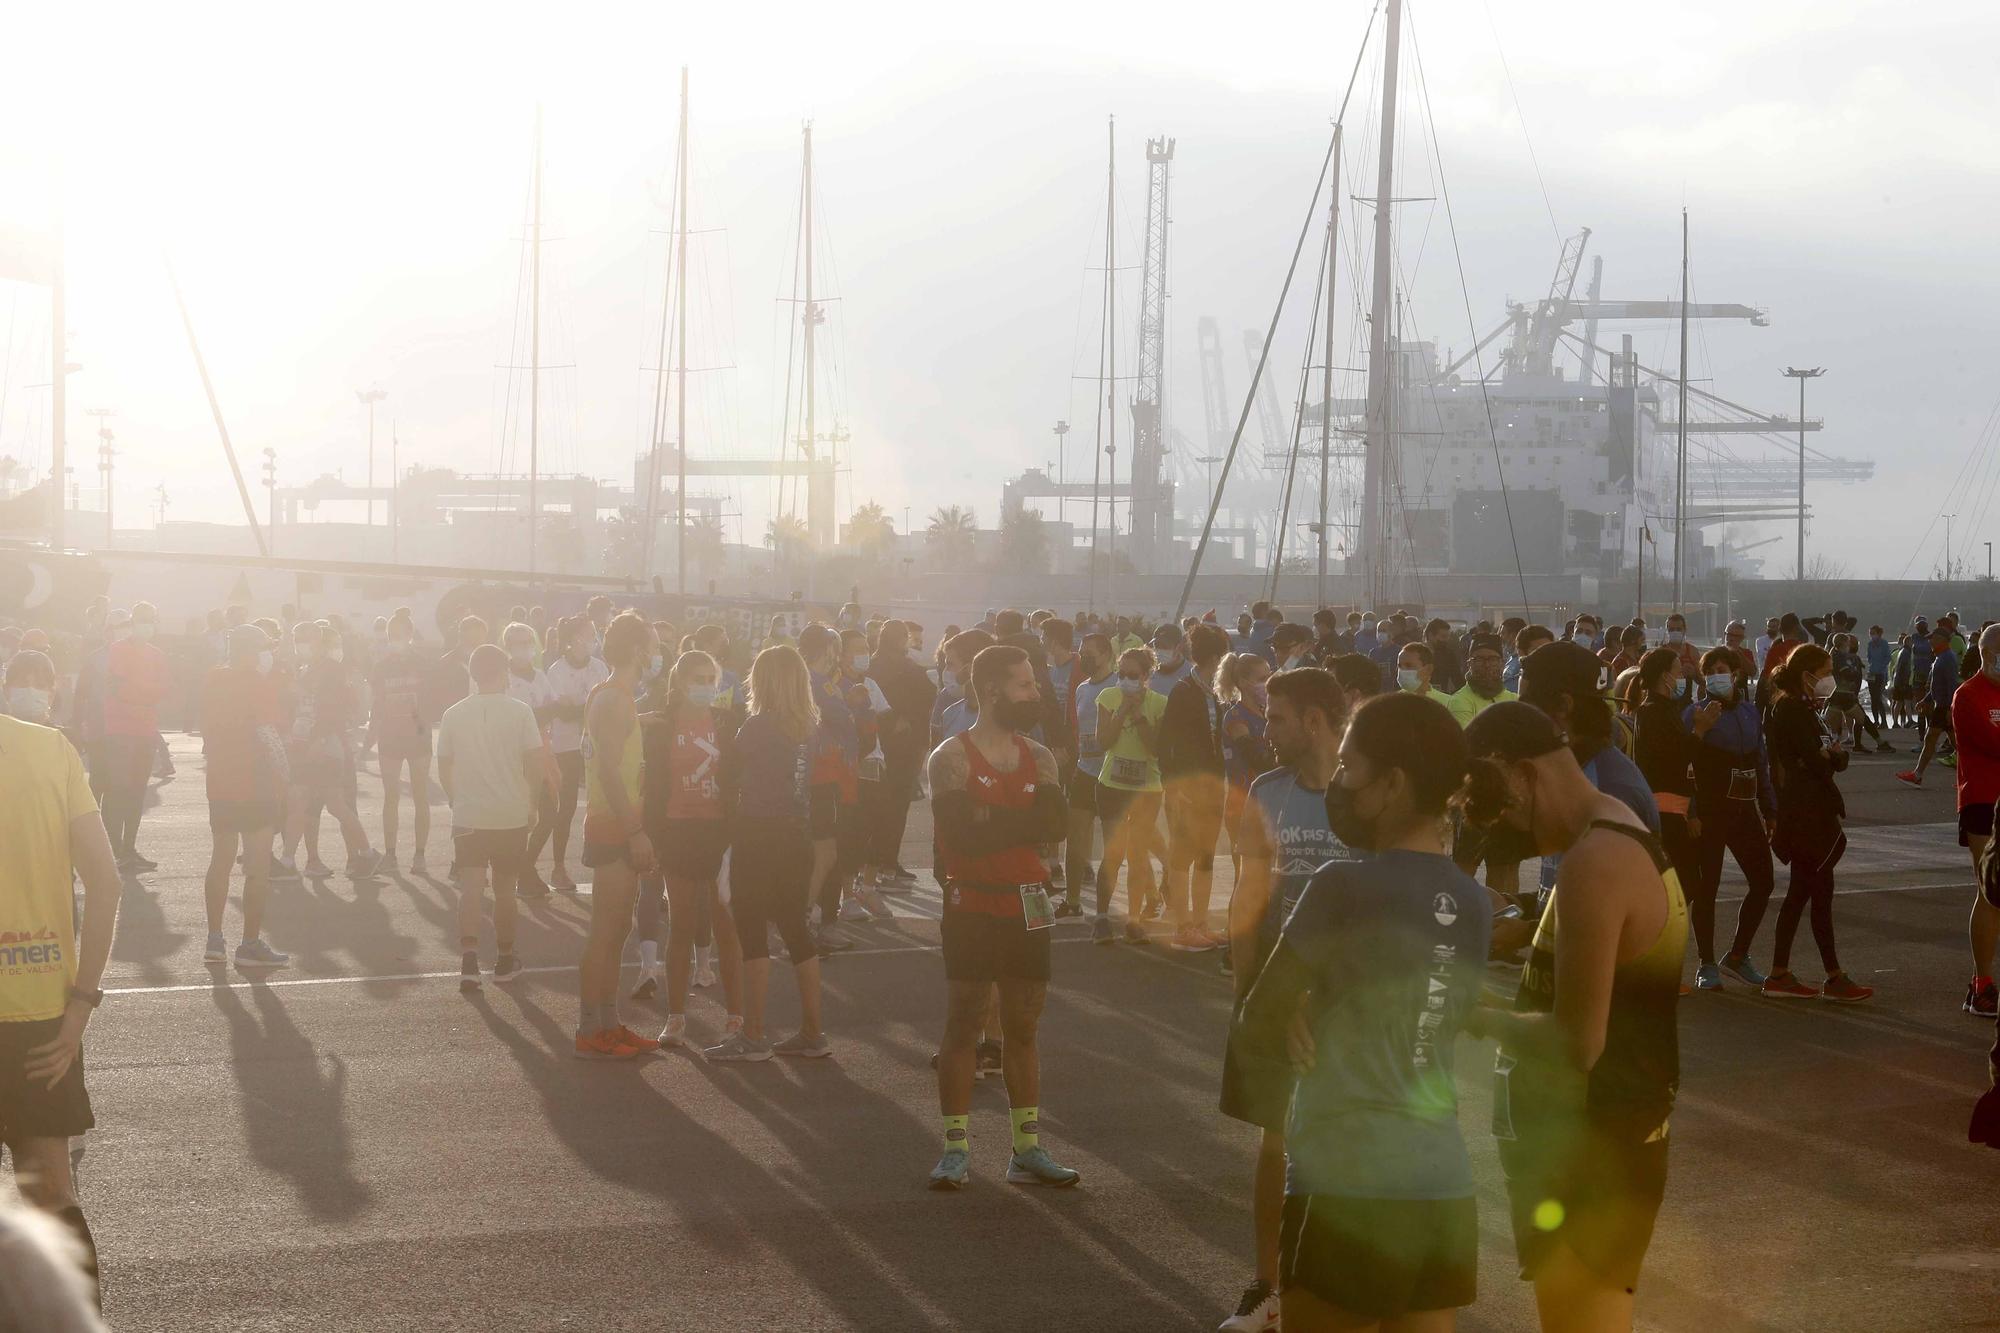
pixel 1444 907
pixel 37 950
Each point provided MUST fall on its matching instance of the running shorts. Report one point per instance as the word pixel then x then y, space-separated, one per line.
pixel 1975 821
pixel 30 1108
pixel 1597 1194
pixel 1246 1096
pixel 245 816
pixel 691 849
pixel 1380 1258
pixel 503 850
pixel 597 854
pixel 979 946
pixel 1082 792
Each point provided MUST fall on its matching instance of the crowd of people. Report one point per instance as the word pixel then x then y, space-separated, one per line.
pixel 1376 782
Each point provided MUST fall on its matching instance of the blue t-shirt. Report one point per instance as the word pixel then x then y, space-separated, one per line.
pixel 1615 775
pixel 957 719
pixel 1944 680
pixel 1292 827
pixel 1878 657
pixel 773 770
pixel 1163 681
pixel 1397 948
pixel 1089 754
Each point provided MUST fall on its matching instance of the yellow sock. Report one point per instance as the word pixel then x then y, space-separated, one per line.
pixel 1027 1127
pixel 956 1132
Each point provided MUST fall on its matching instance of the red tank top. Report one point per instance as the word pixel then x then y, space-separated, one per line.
pixel 991 883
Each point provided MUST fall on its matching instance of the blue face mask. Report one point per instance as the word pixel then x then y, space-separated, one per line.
pixel 1681 688
pixel 1721 685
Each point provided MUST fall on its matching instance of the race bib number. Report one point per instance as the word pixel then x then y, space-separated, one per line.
pixel 1128 772
pixel 1036 909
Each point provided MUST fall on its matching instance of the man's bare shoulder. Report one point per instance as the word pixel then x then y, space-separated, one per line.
pixel 1047 769
pixel 948 768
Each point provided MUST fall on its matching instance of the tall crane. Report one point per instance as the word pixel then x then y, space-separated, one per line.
pixel 1214 387
pixel 1152 492
pixel 1268 417
pixel 1538 355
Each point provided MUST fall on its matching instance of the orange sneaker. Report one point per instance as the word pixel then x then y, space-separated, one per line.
pixel 603 1046
pixel 627 1037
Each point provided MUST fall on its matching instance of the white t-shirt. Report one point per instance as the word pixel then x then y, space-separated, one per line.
pixel 485 737
pixel 571 685
pixel 531 689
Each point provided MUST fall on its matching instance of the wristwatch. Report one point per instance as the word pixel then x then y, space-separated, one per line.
pixel 93 998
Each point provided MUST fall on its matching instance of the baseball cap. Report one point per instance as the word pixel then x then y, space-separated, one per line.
pixel 1561 667
pixel 1512 730
pixel 248 639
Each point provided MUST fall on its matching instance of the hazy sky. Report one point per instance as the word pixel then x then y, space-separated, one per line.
pixel 343 199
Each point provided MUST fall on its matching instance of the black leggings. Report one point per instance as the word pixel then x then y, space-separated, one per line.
pixel 1696 887
pixel 1738 826
pixel 770 880
pixel 1811 883
pixel 129 766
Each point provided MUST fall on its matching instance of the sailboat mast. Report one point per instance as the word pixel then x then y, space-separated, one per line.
pixel 681 367
pixel 1681 462
pixel 1111 349
pixel 1374 545
pixel 1103 346
pixel 812 439
pixel 1326 357
pixel 535 349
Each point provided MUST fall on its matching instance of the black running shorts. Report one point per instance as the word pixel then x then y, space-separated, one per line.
pixel 30 1108
pixel 1254 1098
pixel 1380 1258
pixel 244 816
pixel 503 850
pixel 1975 821
pixel 979 946
pixel 1597 1193
pixel 692 849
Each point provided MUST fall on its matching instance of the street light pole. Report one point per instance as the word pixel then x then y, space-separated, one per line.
pixel 1062 429
pixel 1802 376
pixel 368 398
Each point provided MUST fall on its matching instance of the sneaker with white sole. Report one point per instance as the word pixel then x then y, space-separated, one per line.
pixel 1036 1167
pixel 1257 1312
pixel 417 866
pixel 506 968
pixel 468 971
pixel 363 864
pixel 675 1032
pixel 649 982
pixel 738 1047
pixel 704 967
pixel 256 953
pixel 217 950
pixel 855 911
pixel 807 1048
pixel 953 1170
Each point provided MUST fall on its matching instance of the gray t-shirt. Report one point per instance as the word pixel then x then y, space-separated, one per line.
pixel 486 738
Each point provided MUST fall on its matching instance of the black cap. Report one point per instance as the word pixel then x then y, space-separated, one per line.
pixel 1490 642
pixel 1563 667
pixel 1512 731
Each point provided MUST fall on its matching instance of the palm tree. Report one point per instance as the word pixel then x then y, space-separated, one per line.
pixel 870 531
pixel 1024 543
pixel 705 544
pixel 787 537
pixel 950 536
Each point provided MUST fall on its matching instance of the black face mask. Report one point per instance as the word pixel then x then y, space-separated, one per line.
pixel 1353 829
pixel 1018 714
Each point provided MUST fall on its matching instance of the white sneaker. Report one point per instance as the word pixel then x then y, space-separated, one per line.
pixel 675 1032
pixel 704 967
pixel 853 910
pixel 649 981
pixel 1257 1312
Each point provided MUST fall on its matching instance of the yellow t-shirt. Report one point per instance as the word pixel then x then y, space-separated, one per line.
pixel 42 788
pixel 1130 765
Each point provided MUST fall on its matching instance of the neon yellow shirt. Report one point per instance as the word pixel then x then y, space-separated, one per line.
pixel 42 788
pixel 1131 764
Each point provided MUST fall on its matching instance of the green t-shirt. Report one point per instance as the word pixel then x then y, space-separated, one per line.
pixel 1131 764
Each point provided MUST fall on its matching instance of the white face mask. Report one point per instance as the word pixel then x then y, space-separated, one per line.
pixel 28 703
pixel 1823 687
pixel 336 653
pixel 399 642
pixel 1721 685
pixel 120 633
pixel 1676 636
pixel 143 631
pixel 859 663
pixel 1130 686
pixel 1408 678
pixel 701 696
pixel 523 654
pixel 659 664
pixel 264 662
pixel 949 678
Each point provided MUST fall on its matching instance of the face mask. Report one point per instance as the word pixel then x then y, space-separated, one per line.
pixel 1257 694
pixel 336 653
pixel 1131 687
pixel 142 632
pixel 28 703
pixel 1018 714
pixel 523 654
pixel 1168 661
pixel 120 634
pixel 264 662
pixel 1681 688
pixel 1408 678
pixel 1823 688
pixel 1721 685
pixel 399 642
pixel 303 651
pixel 659 664
pixel 858 664
pixel 701 696
pixel 949 678
pixel 1354 829
pixel 1676 636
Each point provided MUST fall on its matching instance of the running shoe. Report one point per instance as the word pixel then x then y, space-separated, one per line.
pixel 872 900
pixel 1845 989
pixel 852 909
pixel 1135 930
pixel 1155 907
pixel 626 1036
pixel 902 876
pixel 831 940
pixel 1949 759
pixel 468 972
pixel 1101 932
pixel 256 953
pixel 134 861
pixel 1883 747
pixel 318 869
pixel 417 866
pixel 1785 986
pixel 281 868
pixel 1981 997
pixel 806 1048
pixel 218 950
pixel 1708 977
pixel 675 1032
pixel 506 968
pixel 1257 1312
pixel 603 1045
pixel 532 885
pixel 1069 906
pixel 704 967
pixel 561 882
pixel 738 1047
pixel 363 864
pixel 1743 970
pixel 953 1170
pixel 649 982
pixel 1909 778
pixel 989 1061
pixel 1190 939
pixel 1036 1167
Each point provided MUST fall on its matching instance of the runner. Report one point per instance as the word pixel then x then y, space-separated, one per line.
pixel 1191 770
pixel 1387 955
pixel 402 738
pixel 1094 674
pixel 770 857
pixel 1484 685
pixel 1414 664
pixel 615 845
pixel 136 680
pixel 489 755
pixel 1666 749
pixel 50 836
pixel 908 688
pixel 997 798
pixel 1942 674
pixel 247 774
pixel 1589 1059
pixel 1286 837
pixel 1128 791
pixel 1242 682
pixel 571 678
pixel 1739 810
pixel 1975 715
pixel 323 711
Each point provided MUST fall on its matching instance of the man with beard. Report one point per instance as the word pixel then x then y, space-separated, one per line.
pixel 997 799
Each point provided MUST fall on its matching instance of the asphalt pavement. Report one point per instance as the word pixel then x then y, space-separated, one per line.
pixel 353 1144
